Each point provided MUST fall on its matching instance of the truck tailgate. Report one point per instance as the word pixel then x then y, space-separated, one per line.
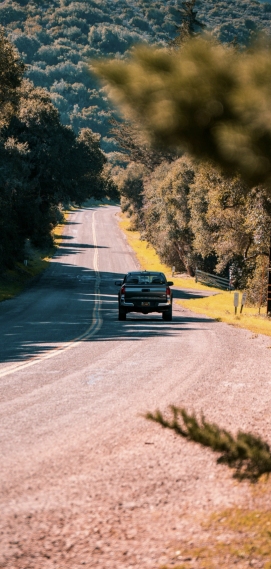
pixel 138 294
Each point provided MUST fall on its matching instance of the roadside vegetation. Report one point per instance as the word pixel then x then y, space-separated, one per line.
pixel 218 306
pixel 149 259
pixel 14 280
pixel 44 165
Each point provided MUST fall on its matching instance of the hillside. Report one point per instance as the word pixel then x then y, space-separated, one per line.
pixel 58 38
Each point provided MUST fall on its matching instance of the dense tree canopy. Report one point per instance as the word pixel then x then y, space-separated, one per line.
pixel 196 217
pixel 57 38
pixel 43 165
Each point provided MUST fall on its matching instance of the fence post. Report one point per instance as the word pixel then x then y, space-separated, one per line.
pixel 235 301
pixel 243 301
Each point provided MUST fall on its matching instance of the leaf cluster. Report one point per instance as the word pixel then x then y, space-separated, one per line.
pixel 247 454
pixel 136 147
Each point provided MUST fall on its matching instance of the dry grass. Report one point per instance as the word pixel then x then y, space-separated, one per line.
pixel 231 538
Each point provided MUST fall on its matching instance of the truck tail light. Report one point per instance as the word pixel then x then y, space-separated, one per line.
pixel 122 290
pixel 168 291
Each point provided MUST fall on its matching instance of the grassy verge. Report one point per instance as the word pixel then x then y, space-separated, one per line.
pixel 219 306
pixel 13 281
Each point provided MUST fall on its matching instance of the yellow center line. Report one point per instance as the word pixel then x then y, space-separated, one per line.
pixel 89 333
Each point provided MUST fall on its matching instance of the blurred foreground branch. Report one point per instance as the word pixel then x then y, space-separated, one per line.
pixel 206 98
pixel 249 455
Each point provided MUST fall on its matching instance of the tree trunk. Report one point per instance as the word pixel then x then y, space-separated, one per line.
pixel 184 259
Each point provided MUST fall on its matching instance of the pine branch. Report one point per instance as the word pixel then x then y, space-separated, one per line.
pixel 250 456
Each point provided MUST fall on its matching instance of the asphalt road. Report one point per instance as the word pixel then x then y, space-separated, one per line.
pixel 74 383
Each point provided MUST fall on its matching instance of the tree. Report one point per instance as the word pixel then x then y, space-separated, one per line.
pixel 58 166
pixel 230 221
pixel 189 26
pixel 130 182
pixel 11 74
pixel 167 214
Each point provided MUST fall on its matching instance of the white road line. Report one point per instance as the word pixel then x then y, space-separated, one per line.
pixel 89 333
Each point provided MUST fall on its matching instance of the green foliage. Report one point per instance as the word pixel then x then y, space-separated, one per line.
pixel 136 148
pixel 229 219
pixel 130 182
pixel 44 163
pixel 167 214
pixel 56 40
pixel 206 98
pixel 196 217
pixel 57 166
pixel 249 455
pixel 189 26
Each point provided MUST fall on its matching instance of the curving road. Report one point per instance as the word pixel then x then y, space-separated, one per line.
pixel 85 479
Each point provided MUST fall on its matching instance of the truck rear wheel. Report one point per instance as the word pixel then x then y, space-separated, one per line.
pixel 167 315
pixel 122 314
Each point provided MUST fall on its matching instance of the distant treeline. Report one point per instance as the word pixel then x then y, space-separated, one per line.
pixel 43 163
pixel 58 38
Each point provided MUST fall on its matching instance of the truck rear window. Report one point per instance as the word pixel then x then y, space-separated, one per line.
pixel 145 279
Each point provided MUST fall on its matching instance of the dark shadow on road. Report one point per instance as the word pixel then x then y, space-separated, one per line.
pixel 64 237
pixel 82 246
pixel 190 294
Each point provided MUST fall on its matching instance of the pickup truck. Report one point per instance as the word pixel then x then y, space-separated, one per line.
pixel 145 292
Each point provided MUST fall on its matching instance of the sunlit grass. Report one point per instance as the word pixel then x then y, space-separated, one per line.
pixel 220 307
